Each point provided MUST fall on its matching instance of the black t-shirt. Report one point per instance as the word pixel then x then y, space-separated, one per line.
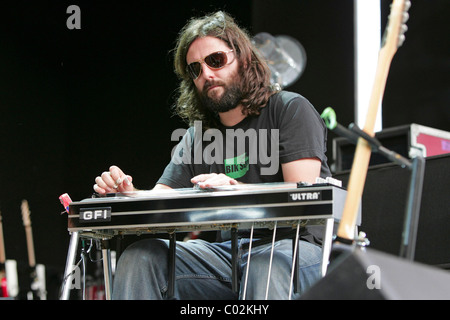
pixel 252 151
pixel 288 128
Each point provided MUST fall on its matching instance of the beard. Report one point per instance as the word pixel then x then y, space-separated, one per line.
pixel 229 100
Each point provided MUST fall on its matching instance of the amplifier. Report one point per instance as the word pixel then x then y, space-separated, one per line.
pixel 383 209
pixel 408 140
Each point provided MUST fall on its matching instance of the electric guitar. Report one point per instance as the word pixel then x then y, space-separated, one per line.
pixel 392 39
pixel 36 292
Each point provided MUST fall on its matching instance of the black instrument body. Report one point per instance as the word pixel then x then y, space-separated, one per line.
pixel 191 209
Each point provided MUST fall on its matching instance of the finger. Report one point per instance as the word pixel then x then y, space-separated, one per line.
pixel 221 178
pixel 119 176
pixel 122 181
pixel 99 181
pixel 128 180
pixel 99 190
pixel 202 177
pixel 116 174
pixel 107 179
pixel 126 184
pixel 205 180
pixel 216 180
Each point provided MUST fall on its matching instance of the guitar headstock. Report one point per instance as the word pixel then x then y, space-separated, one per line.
pixel 394 34
pixel 25 213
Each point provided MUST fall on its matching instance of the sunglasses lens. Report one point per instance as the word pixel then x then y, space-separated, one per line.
pixel 194 69
pixel 216 60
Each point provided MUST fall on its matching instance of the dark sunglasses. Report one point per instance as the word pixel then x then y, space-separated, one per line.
pixel 216 60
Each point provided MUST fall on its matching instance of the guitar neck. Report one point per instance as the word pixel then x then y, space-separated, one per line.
pixel 392 39
pixel 362 154
pixel 28 233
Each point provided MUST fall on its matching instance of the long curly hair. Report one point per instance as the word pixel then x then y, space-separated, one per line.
pixel 254 71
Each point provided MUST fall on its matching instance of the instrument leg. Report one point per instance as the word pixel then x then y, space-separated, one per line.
pixel 244 293
pixel 70 262
pixel 271 257
pixel 107 269
pixel 234 262
pixel 294 273
pixel 171 265
pixel 327 242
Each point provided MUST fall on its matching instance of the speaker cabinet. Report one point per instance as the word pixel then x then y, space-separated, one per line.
pixel 384 203
pixel 366 274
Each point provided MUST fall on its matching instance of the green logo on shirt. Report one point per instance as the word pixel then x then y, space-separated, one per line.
pixel 236 167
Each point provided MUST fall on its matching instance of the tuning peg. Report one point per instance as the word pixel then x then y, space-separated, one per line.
pixel 401 39
pixel 407 5
pixel 404 28
pixel 405 17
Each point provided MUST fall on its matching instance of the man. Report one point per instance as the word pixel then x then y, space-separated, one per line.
pixel 225 93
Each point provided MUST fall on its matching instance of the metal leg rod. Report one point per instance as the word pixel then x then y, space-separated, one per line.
pixel 248 263
pixel 270 262
pixel 107 269
pixel 234 263
pixel 70 262
pixel 294 262
pixel 327 242
pixel 171 262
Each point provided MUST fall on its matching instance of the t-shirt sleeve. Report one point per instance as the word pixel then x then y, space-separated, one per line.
pixel 179 171
pixel 303 133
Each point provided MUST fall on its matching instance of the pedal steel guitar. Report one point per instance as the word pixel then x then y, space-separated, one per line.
pixel 236 207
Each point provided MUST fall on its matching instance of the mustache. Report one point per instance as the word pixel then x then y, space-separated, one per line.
pixel 210 83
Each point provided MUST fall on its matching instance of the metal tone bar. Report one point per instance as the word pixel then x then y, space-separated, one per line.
pixel 107 270
pixel 171 267
pixel 271 257
pixel 248 263
pixel 234 262
pixel 70 262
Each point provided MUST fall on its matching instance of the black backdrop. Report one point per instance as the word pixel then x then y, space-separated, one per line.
pixel 73 102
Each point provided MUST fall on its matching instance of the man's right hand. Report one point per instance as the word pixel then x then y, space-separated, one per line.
pixel 112 181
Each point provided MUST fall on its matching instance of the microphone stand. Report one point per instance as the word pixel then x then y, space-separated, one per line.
pixel 416 166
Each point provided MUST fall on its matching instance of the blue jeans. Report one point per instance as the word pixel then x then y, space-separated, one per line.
pixel 203 270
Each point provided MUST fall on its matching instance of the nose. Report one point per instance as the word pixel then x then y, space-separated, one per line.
pixel 207 73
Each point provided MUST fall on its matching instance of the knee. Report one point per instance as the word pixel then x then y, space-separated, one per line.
pixel 145 251
pixel 260 264
pixel 140 273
